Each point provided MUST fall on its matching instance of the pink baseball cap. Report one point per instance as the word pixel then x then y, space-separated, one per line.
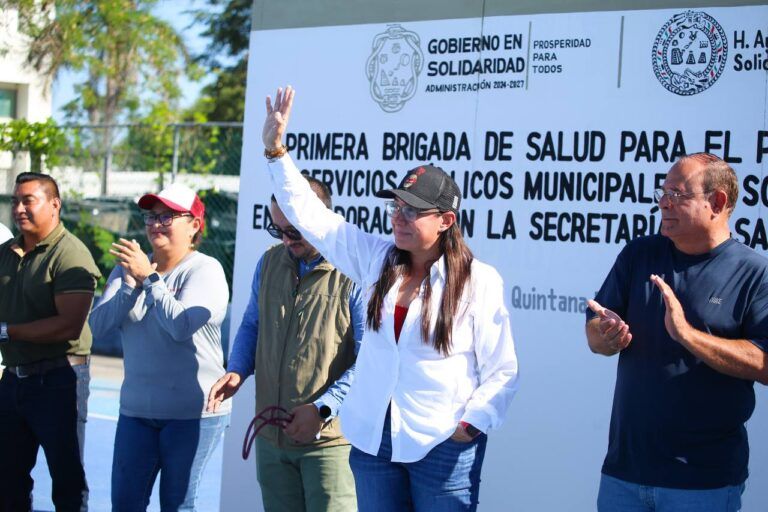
pixel 178 198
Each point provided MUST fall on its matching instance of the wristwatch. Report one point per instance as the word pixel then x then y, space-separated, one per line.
pixel 151 279
pixel 4 332
pixel 324 411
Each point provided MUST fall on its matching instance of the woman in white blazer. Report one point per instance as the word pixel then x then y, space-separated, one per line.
pixel 437 366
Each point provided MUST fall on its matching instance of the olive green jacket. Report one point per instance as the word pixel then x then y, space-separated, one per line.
pixel 306 339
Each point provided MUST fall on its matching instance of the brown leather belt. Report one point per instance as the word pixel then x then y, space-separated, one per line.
pixel 41 367
pixel 75 360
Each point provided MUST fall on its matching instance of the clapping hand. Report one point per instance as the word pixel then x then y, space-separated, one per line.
pixel 674 317
pixel 613 330
pixel 136 264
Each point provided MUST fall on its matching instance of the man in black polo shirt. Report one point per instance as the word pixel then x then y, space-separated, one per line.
pixel 47 280
pixel 687 310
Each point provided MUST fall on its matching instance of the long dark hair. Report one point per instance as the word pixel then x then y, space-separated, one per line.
pixel 458 268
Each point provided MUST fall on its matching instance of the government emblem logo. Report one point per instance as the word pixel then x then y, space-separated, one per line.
pixel 689 53
pixel 393 67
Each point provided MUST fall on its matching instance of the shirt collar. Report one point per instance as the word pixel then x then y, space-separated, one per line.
pixel 307 265
pixel 53 236
pixel 437 270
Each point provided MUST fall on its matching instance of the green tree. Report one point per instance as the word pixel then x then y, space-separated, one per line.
pixel 226 57
pixel 128 58
pixel 98 241
pixel 43 141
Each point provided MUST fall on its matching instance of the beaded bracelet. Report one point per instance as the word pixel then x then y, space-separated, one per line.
pixel 276 153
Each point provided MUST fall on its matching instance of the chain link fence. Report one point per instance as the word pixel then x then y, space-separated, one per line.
pixel 170 150
pixel 102 170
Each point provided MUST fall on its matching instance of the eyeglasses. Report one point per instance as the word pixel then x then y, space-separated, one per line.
pixel 291 232
pixel 165 219
pixel 674 196
pixel 408 213
pixel 273 415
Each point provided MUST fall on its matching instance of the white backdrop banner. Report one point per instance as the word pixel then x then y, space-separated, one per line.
pixel 557 128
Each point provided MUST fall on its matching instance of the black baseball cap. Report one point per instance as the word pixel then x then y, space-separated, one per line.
pixel 426 187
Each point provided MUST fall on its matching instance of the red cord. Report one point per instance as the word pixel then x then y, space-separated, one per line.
pixel 274 418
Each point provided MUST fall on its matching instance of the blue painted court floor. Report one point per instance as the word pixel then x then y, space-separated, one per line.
pixel 103 407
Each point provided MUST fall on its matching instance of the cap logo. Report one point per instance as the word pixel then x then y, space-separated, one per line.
pixel 455 202
pixel 410 180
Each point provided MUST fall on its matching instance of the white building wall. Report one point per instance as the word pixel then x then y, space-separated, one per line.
pixel 33 91
pixel 33 94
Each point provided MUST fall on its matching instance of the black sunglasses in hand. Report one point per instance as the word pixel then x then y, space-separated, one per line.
pixel 291 232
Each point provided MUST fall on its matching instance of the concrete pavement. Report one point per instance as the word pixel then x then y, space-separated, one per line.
pixel 103 410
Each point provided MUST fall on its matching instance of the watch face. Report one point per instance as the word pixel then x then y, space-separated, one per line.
pixel 153 277
pixel 325 412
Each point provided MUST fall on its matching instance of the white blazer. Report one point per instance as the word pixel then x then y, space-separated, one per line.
pixel 429 393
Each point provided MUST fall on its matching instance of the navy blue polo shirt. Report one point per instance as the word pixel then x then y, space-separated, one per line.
pixel 676 422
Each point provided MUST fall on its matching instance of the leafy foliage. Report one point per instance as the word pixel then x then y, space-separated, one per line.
pixel 98 241
pixel 229 27
pixel 43 141
pixel 128 57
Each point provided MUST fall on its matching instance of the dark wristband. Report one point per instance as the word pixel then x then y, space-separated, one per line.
pixel 470 429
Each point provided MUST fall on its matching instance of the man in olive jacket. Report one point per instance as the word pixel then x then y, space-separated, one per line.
pixel 307 319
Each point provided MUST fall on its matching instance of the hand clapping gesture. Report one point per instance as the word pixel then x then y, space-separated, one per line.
pixel 674 317
pixel 613 330
pixel 136 264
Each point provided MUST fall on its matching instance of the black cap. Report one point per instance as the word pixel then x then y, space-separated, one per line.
pixel 426 187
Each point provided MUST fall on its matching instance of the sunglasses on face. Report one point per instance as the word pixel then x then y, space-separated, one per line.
pixel 164 219
pixel 408 213
pixel 291 232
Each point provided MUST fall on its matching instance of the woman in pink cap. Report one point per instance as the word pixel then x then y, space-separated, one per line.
pixel 167 307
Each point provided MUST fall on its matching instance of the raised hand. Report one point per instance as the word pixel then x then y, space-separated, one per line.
pixel 277 118
pixel 613 330
pixel 222 389
pixel 674 317
pixel 132 259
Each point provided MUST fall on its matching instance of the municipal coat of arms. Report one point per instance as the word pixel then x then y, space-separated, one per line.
pixel 393 67
pixel 689 53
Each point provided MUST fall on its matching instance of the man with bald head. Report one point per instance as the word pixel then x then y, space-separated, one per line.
pixel 687 312
pixel 47 280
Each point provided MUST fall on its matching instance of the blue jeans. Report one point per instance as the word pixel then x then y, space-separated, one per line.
pixel 447 479
pixel 177 449
pixel 40 410
pixel 83 374
pixel 620 496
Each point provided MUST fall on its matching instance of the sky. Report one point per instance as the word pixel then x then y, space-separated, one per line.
pixel 170 10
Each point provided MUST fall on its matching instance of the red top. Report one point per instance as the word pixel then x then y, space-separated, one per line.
pixel 400 313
